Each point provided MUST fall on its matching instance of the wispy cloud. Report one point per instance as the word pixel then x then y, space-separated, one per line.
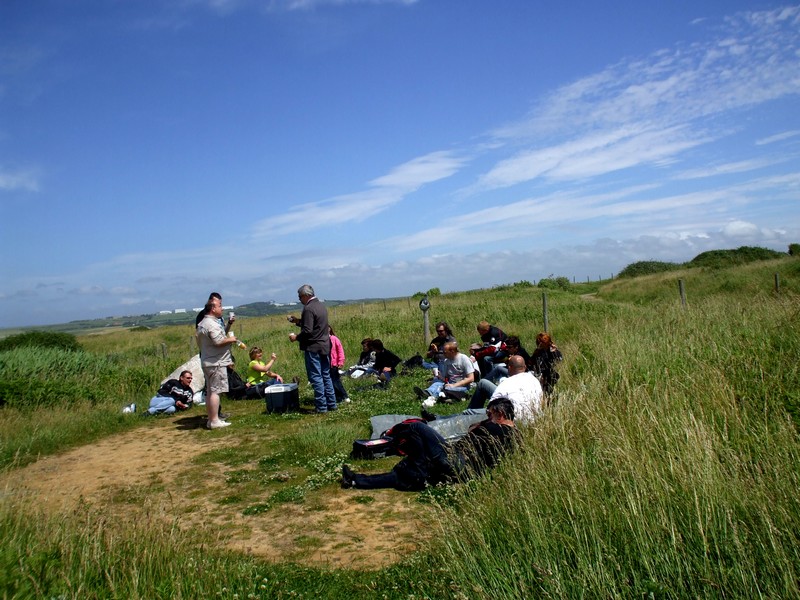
pixel 384 192
pixel 741 166
pixel 778 137
pixel 651 110
pixel 20 179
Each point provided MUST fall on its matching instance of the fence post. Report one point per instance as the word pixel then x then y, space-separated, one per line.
pixel 682 293
pixel 777 283
pixel 164 350
pixel 545 317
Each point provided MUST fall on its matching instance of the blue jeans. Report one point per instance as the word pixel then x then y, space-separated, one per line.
pixel 498 371
pixel 318 369
pixel 483 391
pixel 438 386
pixel 161 404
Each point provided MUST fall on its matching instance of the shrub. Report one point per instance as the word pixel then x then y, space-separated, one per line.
pixel 648 267
pixel 794 249
pixel 717 259
pixel 559 283
pixel 41 339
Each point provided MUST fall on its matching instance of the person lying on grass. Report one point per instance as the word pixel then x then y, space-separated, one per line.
pixel 428 459
pixel 174 394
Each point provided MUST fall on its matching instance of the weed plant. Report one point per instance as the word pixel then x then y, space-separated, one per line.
pixel 666 466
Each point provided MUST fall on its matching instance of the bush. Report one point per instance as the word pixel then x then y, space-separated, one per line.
pixel 41 339
pixel 718 259
pixel 794 249
pixel 559 283
pixel 648 267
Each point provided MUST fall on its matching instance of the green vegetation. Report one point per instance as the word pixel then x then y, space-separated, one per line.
pixel 40 339
pixel 647 267
pixel 717 259
pixel 667 466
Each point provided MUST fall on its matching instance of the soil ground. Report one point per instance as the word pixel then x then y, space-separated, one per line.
pixel 134 472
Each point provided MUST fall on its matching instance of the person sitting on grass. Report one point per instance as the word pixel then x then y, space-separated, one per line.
pixel 429 460
pixel 459 374
pixel 435 354
pixel 521 387
pixel 385 363
pixel 543 361
pixel 365 363
pixel 259 372
pixel 500 361
pixel 173 395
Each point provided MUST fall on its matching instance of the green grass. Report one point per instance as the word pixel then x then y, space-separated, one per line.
pixel 667 466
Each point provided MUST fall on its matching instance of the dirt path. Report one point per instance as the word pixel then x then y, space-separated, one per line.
pixel 136 472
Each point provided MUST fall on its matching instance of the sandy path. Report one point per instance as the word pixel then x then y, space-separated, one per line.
pixel 136 471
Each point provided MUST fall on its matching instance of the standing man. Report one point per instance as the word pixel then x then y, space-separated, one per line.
pixel 215 356
pixel 315 340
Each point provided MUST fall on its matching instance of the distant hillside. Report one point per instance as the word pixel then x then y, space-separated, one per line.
pixel 713 259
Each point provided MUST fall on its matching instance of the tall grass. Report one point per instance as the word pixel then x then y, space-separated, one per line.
pixel 666 467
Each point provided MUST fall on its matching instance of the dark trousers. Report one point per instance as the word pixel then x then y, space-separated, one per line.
pixel 338 386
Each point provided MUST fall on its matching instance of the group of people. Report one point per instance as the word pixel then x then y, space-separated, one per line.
pixel 503 373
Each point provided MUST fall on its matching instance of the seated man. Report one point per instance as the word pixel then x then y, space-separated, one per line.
pixel 428 459
pixel 174 394
pixel 435 354
pixel 522 388
pixel 500 359
pixel 492 340
pixel 459 373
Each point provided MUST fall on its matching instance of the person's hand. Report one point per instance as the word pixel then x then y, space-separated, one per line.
pixel 292 337
pixel 279 378
pixel 274 356
pixel 291 319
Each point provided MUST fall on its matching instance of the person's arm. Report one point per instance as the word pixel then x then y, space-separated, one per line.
pixel 468 379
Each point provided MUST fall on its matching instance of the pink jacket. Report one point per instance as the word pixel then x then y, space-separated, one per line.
pixel 337 352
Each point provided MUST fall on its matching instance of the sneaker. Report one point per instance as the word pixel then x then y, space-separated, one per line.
pixel 347 399
pixel 348 477
pixel 428 416
pixel 421 394
pixel 216 424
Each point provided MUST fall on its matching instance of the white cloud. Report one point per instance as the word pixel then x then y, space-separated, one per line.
pixel 26 179
pixel 778 137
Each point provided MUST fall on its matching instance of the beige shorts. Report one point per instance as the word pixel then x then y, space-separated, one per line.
pixel 216 379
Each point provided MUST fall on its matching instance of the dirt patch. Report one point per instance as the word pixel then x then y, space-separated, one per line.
pixel 142 470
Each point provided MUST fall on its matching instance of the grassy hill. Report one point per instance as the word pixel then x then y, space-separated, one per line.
pixel 666 466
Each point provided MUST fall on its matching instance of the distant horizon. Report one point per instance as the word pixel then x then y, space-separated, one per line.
pixel 153 152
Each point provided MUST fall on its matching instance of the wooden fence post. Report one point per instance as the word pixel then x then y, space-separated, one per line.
pixel 777 283
pixel 545 316
pixel 682 293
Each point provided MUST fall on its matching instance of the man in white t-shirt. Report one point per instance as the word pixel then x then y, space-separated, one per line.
pixel 521 387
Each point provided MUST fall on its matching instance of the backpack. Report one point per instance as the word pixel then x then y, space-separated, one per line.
pixel 237 389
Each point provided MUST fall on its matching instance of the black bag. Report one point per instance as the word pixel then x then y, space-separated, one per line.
pixel 237 389
pixel 372 449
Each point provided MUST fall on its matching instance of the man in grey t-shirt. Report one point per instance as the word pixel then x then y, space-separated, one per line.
pixel 459 374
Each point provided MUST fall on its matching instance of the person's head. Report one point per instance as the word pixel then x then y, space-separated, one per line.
pixel 255 353
pixel 516 365
pixel 376 345
pixel 543 340
pixel 365 343
pixel 443 329
pixel 500 409
pixel 483 327
pixel 213 307
pixel 214 296
pixel 305 292
pixel 450 350
pixel 330 330
pixel 186 377
pixel 512 344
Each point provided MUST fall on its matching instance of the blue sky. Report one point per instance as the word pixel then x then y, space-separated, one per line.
pixel 153 151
